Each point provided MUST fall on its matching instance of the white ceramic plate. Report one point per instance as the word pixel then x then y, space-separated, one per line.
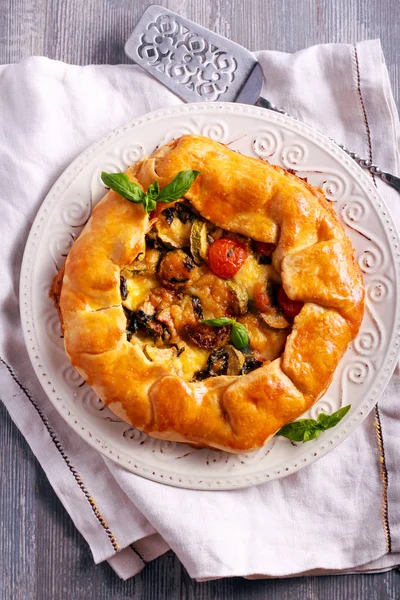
pixel 360 377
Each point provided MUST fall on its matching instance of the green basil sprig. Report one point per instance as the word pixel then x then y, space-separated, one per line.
pixel 239 336
pixel 178 186
pixel 120 183
pixel 305 430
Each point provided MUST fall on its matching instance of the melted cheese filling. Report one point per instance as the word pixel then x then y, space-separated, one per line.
pixel 252 273
pixel 192 360
pixel 138 290
pixel 176 234
pixel 216 299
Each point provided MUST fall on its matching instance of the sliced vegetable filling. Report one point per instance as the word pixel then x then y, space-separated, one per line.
pixel 192 273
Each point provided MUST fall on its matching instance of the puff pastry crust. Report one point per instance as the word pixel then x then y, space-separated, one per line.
pixel 313 256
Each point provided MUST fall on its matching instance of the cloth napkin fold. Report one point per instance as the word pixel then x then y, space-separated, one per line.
pixel 340 514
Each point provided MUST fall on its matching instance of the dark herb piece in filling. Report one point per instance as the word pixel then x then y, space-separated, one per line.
pixel 184 212
pixel 123 288
pixel 144 319
pixel 272 289
pixel 197 308
pixel 217 364
pixel 152 240
pixel 265 260
pixel 250 364
pixel 169 214
pixel 132 323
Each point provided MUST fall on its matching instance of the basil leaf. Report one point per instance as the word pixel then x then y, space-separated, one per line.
pixel 178 186
pixel 311 434
pixel 305 430
pixel 221 322
pixel 302 430
pixel 337 416
pixel 323 420
pixel 239 336
pixel 150 199
pixel 149 203
pixel 153 190
pixel 120 183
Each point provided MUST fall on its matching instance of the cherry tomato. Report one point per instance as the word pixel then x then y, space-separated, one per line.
pixel 226 257
pixel 264 249
pixel 262 300
pixel 291 308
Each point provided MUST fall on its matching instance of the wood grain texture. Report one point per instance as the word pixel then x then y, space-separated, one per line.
pixel 42 556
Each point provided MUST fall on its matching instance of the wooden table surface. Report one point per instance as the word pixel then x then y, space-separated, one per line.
pixel 42 556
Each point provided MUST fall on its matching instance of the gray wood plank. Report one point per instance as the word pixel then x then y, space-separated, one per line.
pixel 42 557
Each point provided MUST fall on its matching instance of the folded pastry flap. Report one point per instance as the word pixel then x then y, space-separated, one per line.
pixel 232 190
pixel 296 211
pixel 326 274
pixel 192 411
pixel 122 378
pixel 83 288
pixel 144 172
pixel 246 195
pixel 111 239
pixel 94 332
pixel 314 348
pixel 260 403
pixel 231 413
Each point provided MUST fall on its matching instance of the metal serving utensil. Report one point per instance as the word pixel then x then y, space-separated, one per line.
pixel 199 65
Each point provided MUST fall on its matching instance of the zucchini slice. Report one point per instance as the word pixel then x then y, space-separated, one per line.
pixel 198 241
pixel 145 264
pixel 235 360
pixel 240 296
pixel 275 318
pixel 160 355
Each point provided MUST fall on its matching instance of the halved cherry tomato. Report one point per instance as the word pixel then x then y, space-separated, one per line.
pixel 291 308
pixel 264 248
pixel 262 300
pixel 226 257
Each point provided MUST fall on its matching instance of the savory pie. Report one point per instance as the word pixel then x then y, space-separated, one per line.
pixel 249 243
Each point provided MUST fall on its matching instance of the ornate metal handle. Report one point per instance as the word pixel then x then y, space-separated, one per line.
pixel 388 178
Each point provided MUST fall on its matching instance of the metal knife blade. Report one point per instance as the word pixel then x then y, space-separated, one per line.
pixel 199 65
